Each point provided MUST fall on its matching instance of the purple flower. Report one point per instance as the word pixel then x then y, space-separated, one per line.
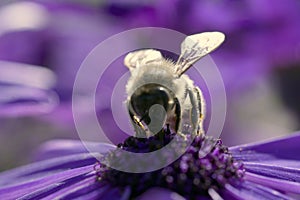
pixel 25 89
pixel 267 170
pixel 55 35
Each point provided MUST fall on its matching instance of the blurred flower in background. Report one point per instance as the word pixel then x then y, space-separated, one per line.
pixel 26 89
pixel 259 60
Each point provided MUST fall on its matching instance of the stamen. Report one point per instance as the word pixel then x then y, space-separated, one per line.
pixel 193 174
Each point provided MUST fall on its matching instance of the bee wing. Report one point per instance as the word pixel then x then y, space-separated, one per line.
pixel 142 57
pixel 195 47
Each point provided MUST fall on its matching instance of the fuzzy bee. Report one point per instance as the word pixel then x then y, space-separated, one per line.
pixel 160 94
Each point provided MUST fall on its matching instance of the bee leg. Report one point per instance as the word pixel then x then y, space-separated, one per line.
pixel 139 128
pixel 201 108
pixel 184 136
pixel 177 114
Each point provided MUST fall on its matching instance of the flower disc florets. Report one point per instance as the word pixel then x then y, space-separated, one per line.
pixel 191 175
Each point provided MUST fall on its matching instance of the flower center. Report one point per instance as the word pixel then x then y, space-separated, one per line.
pixel 190 175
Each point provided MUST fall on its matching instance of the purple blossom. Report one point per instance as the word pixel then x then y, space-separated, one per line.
pixel 26 89
pixel 66 170
pixel 60 40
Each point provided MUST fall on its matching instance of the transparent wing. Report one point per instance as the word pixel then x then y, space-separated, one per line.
pixel 141 57
pixel 195 47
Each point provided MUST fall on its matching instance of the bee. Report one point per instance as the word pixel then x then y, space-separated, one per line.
pixel 160 94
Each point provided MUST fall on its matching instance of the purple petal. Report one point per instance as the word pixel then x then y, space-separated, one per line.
pixel 57 189
pixel 248 190
pixel 25 89
pixel 160 193
pixel 44 168
pixel 57 148
pixel 281 185
pixel 80 188
pixel 283 152
pixel 274 171
pixel 12 192
pixel 112 194
pixel 20 100
pixel 26 75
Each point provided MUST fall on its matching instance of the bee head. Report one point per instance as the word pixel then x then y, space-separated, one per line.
pixel 151 101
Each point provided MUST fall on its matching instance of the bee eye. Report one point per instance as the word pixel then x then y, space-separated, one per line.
pixel 147 96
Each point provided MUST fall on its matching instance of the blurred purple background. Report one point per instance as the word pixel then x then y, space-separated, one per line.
pixel 44 42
